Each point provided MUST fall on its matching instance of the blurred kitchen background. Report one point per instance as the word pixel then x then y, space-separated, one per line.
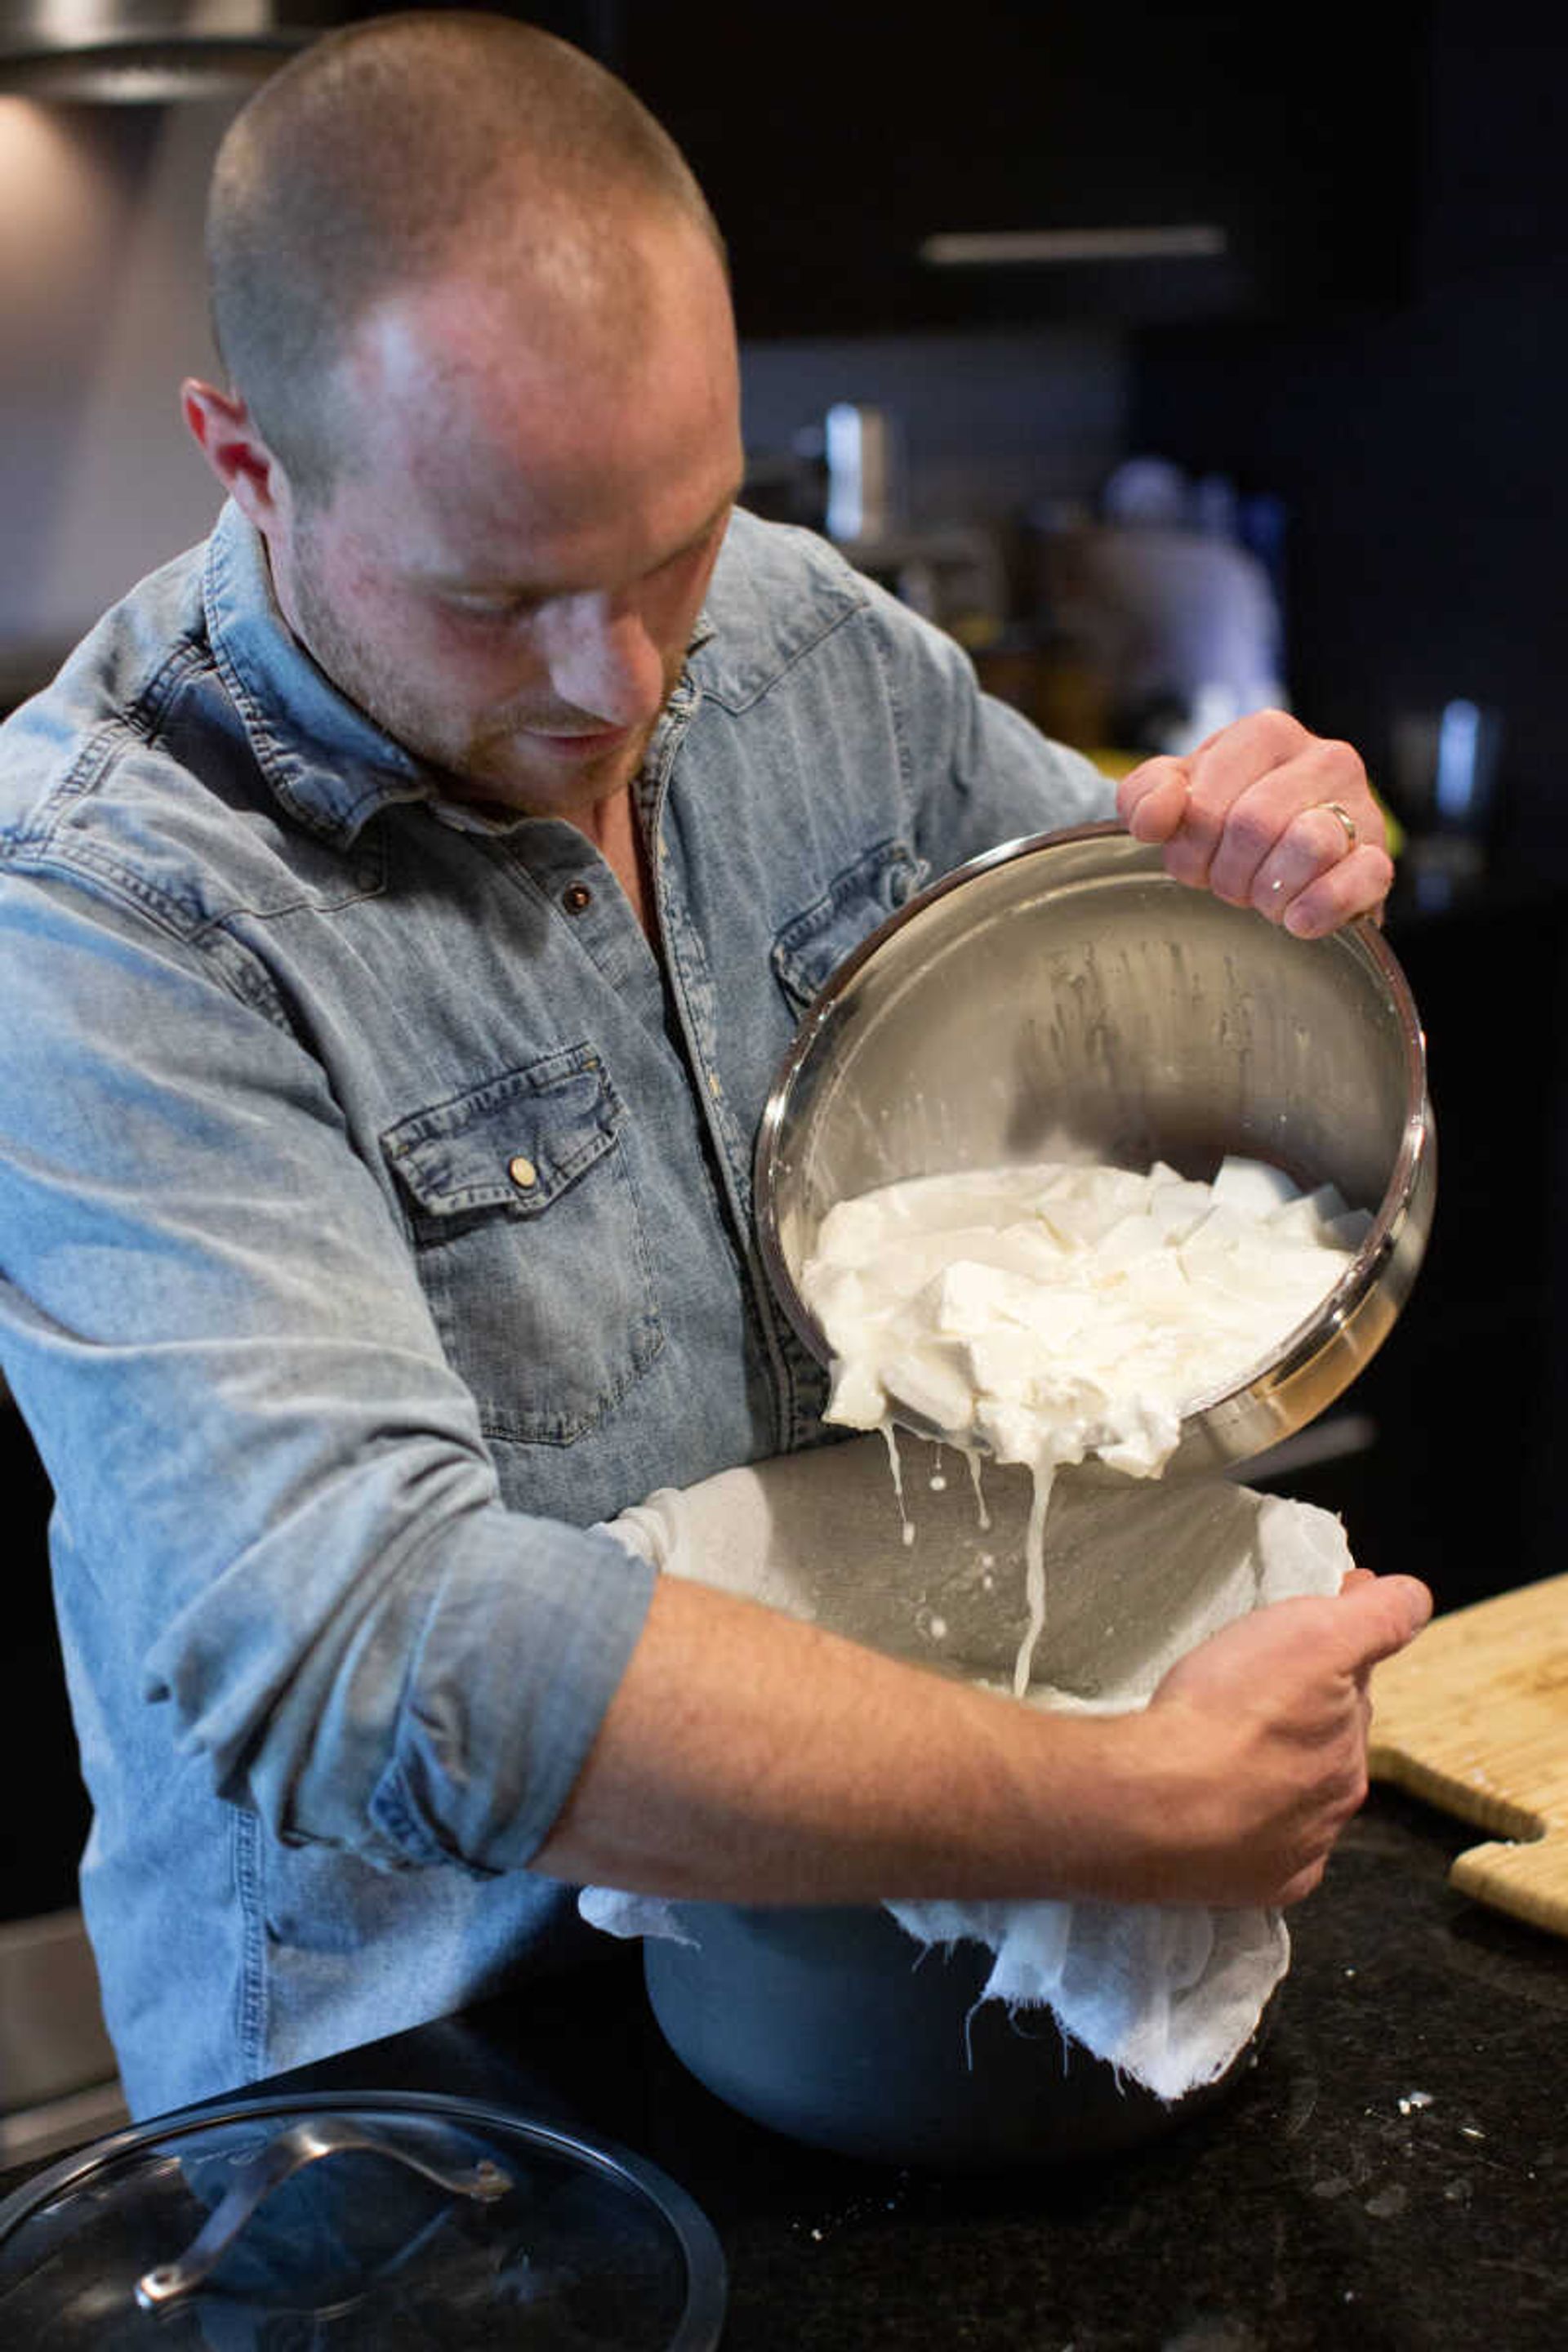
pixel 1177 359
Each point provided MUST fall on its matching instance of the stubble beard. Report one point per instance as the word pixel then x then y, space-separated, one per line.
pixel 488 763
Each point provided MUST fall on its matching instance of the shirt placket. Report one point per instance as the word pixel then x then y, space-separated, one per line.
pixel 580 886
pixel 696 1006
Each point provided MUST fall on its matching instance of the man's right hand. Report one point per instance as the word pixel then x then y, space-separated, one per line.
pixel 1269 1719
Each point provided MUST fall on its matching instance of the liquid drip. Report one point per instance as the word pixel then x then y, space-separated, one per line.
pixel 905 1523
pixel 1035 1575
pixel 976 1467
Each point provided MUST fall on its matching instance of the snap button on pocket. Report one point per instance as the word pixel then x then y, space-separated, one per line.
pixel 523 1172
pixel 809 950
pixel 577 898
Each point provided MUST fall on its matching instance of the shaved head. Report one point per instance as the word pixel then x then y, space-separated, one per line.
pixel 390 151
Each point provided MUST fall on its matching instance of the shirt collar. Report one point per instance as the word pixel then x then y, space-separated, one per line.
pixel 775 592
pixel 332 767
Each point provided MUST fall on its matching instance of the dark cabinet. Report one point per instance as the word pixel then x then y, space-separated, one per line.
pixel 1468 1395
pixel 46 1820
pixel 836 144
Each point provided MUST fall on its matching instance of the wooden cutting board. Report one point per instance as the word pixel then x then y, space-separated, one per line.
pixel 1474 1718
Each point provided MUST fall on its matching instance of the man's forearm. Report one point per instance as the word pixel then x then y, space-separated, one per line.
pixel 747 1758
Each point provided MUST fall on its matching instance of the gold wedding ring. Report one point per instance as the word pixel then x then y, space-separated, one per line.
pixel 1337 808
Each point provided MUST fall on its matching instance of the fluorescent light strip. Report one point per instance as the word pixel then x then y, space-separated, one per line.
pixel 984 249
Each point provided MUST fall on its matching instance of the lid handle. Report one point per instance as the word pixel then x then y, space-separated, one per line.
pixel 305 2142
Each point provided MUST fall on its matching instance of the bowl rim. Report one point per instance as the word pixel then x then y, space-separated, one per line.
pixel 1362 938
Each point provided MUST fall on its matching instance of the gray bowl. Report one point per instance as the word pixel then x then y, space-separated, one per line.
pixel 835 2027
pixel 1062 997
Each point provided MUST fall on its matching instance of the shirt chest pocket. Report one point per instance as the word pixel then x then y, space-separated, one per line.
pixel 530 1245
pixel 810 949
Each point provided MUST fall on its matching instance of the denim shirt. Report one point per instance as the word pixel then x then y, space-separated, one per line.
pixel 376 1220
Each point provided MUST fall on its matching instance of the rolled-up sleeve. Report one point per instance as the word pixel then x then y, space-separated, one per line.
pixel 263 1461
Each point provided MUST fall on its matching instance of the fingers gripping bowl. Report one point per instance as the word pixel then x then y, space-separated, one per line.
pixel 1061 998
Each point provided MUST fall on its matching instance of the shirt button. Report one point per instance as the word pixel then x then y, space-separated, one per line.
pixel 576 896
pixel 523 1173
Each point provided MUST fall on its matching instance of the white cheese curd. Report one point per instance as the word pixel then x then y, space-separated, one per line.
pixel 1042 1314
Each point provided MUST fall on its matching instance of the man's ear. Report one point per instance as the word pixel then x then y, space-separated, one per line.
pixel 221 424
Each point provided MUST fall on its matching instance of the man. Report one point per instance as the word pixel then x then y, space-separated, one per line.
pixel 406 901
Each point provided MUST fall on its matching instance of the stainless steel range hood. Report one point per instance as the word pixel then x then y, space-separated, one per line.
pixel 151 51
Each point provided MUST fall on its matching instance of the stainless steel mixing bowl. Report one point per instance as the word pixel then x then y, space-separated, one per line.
pixel 1062 998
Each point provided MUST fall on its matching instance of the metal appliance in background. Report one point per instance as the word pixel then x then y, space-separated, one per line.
pixel 1445 781
pixel 865 469
pixel 149 51
pixel 952 575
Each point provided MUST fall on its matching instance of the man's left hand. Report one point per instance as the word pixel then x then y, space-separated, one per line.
pixel 1266 815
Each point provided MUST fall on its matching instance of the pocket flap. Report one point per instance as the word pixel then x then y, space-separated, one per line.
pixel 810 949
pixel 516 1142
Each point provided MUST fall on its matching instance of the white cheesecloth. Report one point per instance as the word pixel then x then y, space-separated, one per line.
pixel 1136 1573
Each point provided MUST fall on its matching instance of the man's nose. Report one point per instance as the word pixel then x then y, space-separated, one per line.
pixel 602 661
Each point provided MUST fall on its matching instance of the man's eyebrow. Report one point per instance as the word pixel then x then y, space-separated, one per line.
pixel 704 530
pixel 710 524
pixel 522 591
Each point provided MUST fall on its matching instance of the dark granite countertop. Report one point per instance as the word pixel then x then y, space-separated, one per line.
pixel 1389 2175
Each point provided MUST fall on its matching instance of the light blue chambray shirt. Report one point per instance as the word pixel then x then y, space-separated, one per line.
pixel 371 1224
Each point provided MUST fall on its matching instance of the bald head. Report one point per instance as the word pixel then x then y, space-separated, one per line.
pixel 398 150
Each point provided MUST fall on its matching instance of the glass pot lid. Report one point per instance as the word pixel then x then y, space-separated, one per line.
pixel 363 2223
